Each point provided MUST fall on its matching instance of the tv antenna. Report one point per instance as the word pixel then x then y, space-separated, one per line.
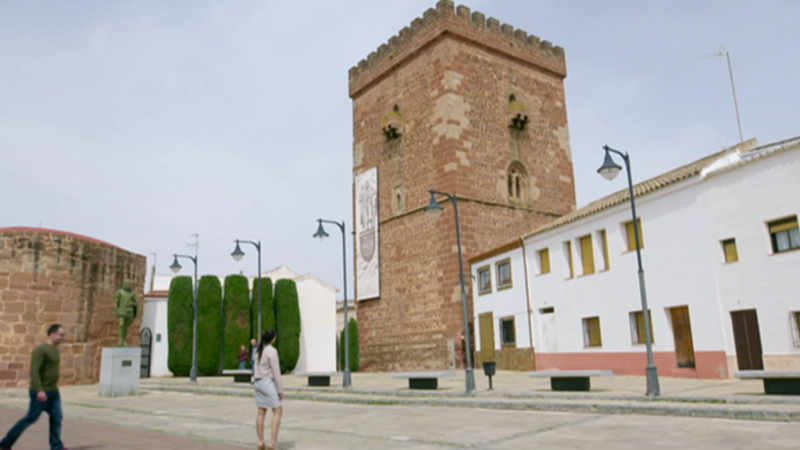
pixel 723 52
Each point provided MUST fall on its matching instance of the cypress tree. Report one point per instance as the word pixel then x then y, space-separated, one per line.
pixel 237 318
pixel 287 312
pixel 209 324
pixel 267 305
pixel 180 315
pixel 355 354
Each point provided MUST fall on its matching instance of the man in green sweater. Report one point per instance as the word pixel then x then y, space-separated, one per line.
pixel 44 394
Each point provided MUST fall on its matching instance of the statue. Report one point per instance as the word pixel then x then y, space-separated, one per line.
pixel 126 309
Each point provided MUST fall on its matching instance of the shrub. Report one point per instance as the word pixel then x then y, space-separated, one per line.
pixel 237 318
pixel 355 354
pixel 267 308
pixel 180 316
pixel 209 324
pixel 287 316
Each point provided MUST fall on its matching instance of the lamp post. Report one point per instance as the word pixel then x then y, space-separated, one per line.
pixel 176 267
pixel 237 255
pixel 434 210
pixel 347 383
pixel 609 170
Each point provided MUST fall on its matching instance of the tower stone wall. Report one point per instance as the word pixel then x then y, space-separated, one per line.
pixel 48 277
pixel 441 106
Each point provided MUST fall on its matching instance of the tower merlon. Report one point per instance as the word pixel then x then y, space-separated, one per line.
pixel 460 23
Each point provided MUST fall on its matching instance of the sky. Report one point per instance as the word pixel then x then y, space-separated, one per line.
pixel 142 122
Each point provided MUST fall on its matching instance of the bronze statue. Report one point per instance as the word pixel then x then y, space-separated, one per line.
pixel 126 309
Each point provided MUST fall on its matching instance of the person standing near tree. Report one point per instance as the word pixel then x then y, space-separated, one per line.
pixel 268 389
pixel 44 395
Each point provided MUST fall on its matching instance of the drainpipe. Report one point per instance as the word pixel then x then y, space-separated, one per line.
pixel 528 298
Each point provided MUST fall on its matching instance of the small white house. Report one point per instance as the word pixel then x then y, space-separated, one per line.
pixel 154 320
pixel 720 256
pixel 317 314
pixel 317 319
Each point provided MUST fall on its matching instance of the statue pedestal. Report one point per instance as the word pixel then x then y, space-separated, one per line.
pixel 119 371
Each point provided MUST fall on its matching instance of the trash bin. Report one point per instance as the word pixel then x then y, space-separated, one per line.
pixel 488 368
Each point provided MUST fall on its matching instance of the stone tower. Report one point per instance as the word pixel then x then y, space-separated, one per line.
pixel 464 105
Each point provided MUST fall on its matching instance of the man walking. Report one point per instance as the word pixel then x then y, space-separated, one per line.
pixel 44 396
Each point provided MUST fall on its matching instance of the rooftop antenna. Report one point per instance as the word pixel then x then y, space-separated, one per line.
pixel 153 271
pixel 727 55
pixel 195 244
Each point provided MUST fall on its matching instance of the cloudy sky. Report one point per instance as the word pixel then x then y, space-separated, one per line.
pixel 141 122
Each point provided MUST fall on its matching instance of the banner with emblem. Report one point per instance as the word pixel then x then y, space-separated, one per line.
pixel 367 257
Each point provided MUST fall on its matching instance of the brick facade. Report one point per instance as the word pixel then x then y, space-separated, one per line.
pixel 51 277
pixel 446 84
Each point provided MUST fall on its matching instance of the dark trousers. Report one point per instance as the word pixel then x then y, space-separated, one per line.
pixel 52 407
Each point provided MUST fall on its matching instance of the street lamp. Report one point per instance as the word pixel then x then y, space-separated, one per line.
pixel 434 210
pixel 609 170
pixel 176 267
pixel 347 383
pixel 237 255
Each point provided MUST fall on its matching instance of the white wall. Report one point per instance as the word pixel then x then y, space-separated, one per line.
pixel 318 326
pixel 503 303
pixel 683 264
pixel 675 274
pixel 155 318
pixel 738 204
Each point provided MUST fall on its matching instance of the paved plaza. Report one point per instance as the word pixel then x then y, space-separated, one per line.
pixel 381 413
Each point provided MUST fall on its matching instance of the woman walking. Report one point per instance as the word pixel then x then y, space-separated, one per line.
pixel 269 389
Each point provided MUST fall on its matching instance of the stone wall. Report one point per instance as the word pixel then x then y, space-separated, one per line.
pixel 450 85
pixel 48 277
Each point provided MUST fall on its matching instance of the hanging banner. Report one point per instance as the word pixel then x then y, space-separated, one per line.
pixel 367 257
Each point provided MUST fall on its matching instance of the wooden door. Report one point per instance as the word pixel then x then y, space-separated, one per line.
pixel 486 322
pixel 682 331
pixel 747 338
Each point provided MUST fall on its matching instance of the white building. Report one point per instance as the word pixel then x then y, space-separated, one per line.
pixel 317 315
pixel 317 320
pixel 720 260
pixel 154 319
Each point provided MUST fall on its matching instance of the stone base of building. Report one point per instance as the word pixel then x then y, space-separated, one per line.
pixel 119 371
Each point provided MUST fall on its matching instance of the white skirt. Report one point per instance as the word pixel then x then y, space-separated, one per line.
pixel 267 393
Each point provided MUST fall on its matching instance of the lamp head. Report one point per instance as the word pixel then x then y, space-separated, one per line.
pixel 176 266
pixel 434 209
pixel 321 233
pixel 609 170
pixel 237 253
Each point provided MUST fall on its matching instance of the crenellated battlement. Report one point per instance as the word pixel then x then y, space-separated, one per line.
pixel 458 21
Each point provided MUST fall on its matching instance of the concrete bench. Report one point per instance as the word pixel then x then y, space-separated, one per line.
pixel 776 382
pixel 571 380
pixel 319 378
pixel 423 380
pixel 239 376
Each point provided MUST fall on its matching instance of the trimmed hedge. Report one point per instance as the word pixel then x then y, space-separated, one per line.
pixel 355 354
pixel 237 318
pixel 287 314
pixel 209 324
pixel 267 308
pixel 179 326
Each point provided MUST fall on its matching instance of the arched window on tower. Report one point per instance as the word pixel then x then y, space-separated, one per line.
pixel 517 182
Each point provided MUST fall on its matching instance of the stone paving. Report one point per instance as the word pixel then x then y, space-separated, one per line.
pixel 219 414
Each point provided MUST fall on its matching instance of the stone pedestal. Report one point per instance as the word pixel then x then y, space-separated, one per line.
pixel 119 371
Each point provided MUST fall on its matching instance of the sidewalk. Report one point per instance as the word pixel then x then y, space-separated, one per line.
pixel 96 436
pixel 729 399
pixel 381 412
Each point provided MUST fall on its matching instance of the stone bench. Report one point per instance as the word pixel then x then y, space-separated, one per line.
pixel 423 380
pixel 319 378
pixel 571 380
pixel 776 382
pixel 240 376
